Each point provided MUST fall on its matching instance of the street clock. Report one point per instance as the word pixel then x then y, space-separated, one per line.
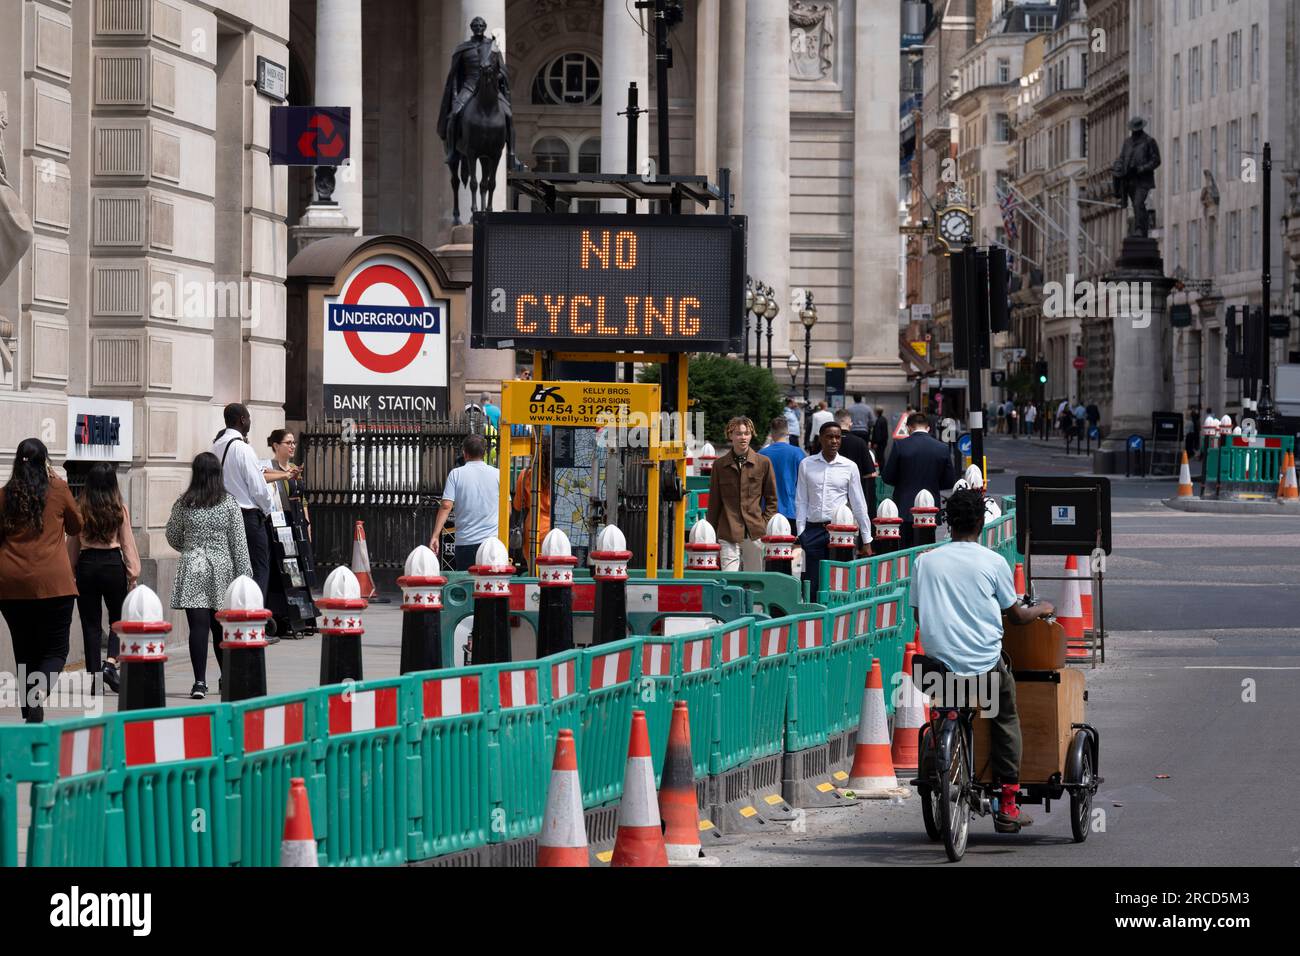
pixel 956 227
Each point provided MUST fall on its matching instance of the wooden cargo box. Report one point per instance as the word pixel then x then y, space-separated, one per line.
pixel 1047 708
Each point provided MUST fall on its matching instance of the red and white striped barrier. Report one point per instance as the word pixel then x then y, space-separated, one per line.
pixel 612 669
pixel 735 645
pixel 451 696
pixel 774 641
pixel 810 633
pixel 518 688
pixel 81 751
pixel 271 727
pixel 697 655
pixel 564 679
pixel 168 740
pixel 355 711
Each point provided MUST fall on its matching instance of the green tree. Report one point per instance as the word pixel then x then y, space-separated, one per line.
pixel 723 388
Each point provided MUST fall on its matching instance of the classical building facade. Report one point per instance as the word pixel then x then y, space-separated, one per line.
pixel 138 141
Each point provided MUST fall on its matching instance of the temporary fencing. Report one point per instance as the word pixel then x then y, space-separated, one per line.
pixel 441 762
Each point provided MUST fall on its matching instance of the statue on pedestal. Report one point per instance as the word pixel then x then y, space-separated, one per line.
pixel 1134 174
pixel 476 120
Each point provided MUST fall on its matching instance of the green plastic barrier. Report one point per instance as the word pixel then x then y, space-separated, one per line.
pixel 69 812
pixel 861 650
pixel 734 703
pixel 520 763
pixel 271 739
pixel 771 594
pixel 890 641
pixel 612 676
pixel 167 803
pixel 568 690
pixel 771 653
pixel 1261 466
pixel 807 704
pixel 839 656
pixel 694 659
pixel 363 772
pixel 452 796
pixel 660 665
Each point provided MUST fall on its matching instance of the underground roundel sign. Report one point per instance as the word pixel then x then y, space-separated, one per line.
pixel 386 343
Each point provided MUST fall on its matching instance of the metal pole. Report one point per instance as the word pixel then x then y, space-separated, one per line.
pixel 633 112
pixel 974 353
pixel 1265 414
pixel 807 405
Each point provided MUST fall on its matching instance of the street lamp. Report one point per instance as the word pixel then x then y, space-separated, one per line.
pixel 749 307
pixel 759 308
pixel 792 365
pixel 808 316
pixel 773 309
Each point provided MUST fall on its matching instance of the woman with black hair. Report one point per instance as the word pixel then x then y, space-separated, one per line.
pixel 207 528
pixel 37 589
pixel 106 564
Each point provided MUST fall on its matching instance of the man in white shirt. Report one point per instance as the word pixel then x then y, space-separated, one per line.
pixel 826 481
pixel 242 475
pixel 820 418
pixel 473 490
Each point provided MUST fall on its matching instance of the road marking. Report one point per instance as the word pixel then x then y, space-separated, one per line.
pixel 1234 667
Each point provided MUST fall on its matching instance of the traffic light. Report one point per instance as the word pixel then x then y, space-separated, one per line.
pixel 1040 368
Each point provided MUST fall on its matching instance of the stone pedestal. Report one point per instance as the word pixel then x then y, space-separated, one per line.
pixel 1143 362
pixel 320 221
pixel 473 371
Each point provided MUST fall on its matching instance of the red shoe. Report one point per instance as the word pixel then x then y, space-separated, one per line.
pixel 1010 818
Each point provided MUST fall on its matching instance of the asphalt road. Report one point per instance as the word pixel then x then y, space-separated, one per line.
pixel 1203 613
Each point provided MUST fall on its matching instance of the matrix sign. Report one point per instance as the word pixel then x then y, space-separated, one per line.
pixel 608 282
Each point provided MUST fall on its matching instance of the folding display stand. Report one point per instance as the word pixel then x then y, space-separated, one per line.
pixel 292 604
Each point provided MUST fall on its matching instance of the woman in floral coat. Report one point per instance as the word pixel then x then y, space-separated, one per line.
pixel 206 527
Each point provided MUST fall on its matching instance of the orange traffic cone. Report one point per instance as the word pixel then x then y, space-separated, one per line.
pixel 1070 613
pixel 909 717
pixel 640 841
pixel 677 801
pixel 1184 479
pixel 916 639
pixel 1281 476
pixel 872 774
pixel 1020 580
pixel 563 841
pixel 915 648
pixel 1291 492
pixel 361 561
pixel 298 848
pixel 1085 593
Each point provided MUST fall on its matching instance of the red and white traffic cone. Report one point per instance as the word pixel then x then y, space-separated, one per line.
pixel 1291 491
pixel 909 717
pixel 1085 593
pixel 361 561
pixel 1070 613
pixel 1184 478
pixel 563 841
pixel 872 774
pixel 298 848
pixel 677 801
pixel 640 841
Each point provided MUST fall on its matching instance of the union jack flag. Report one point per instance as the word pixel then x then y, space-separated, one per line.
pixel 1008 203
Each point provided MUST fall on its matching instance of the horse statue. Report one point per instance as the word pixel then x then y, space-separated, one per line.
pixel 480 139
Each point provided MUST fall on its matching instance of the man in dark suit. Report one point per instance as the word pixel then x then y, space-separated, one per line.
pixel 918 461
pixel 856 450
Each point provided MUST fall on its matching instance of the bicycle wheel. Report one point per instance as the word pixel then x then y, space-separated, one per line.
pixel 931 814
pixel 1081 795
pixel 954 799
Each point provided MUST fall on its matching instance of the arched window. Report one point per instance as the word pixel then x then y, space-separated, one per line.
pixel 571 79
pixel 551 155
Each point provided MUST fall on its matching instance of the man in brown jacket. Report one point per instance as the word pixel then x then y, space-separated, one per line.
pixel 742 496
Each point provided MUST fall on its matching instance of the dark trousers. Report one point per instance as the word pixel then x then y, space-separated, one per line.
pixel 465 556
pixel 101 580
pixel 203 621
pixel 39 630
pixel 259 548
pixel 814 541
pixel 1005 743
pixel 907 532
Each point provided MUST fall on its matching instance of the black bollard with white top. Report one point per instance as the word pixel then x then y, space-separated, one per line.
pixel 492 571
pixel 421 586
pixel 925 518
pixel 243 641
pixel 555 581
pixel 143 657
pixel 888 528
pixel 340 627
pixel 702 549
pixel 778 546
pixel 842 535
pixel 609 568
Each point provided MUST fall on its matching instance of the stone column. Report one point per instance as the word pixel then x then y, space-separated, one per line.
pixel 706 87
pixel 875 367
pixel 338 83
pixel 731 91
pixel 625 58
pixel 766 146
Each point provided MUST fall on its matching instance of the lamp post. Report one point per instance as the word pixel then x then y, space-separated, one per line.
pixel 749 307
pixel 759 308
pixel 808 316
pixel 773 309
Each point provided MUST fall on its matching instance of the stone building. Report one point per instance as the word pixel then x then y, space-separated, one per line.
pixel 139 143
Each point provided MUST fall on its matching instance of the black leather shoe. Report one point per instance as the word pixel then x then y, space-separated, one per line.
pixel 1007 824
pixel 111 677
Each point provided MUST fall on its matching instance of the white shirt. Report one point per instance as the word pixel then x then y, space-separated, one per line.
pixel 242 473
pixel 825 485
pixel 1031 413
pixel 473 489
pixel 821 418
